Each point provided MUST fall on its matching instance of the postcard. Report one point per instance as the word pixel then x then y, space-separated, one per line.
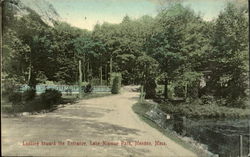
pixel 127 78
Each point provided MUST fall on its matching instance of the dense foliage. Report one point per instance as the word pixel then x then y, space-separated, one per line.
pixel 177 48
pixel 202 111
pixel 116 83
pixel 50 97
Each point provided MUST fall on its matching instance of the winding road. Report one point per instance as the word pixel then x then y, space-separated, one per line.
pixel 104 126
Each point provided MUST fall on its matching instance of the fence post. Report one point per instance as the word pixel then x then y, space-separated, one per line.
pixel 241 145
pixel 142 94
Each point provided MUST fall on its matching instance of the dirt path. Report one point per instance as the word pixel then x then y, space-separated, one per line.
pixel 110 119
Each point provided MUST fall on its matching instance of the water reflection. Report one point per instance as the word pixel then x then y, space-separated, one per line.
pixel 221 136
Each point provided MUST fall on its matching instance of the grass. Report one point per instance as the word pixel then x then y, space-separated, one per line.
pixel 204 111
pixel 141 108
pixel 36 104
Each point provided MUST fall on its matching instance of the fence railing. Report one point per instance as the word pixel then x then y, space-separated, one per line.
pixel 65 89
pixel 235 143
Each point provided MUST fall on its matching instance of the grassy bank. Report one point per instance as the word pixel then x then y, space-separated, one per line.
pixel 37 105
pixel 191 111
pixel 204 111
pixel 141 108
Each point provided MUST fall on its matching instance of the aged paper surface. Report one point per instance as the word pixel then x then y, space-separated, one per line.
pixel 158 78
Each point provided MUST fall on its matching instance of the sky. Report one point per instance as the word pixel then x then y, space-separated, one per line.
pixel 86 13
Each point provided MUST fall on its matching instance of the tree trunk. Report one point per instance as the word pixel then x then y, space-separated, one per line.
pixel 110 67
pixel 84 71
pixel 76 73
pixel 32 81
pixel 29 75
pixel 106 73
pixel 80 78
pixel 88 71
pixel 166 88
pixel 101 75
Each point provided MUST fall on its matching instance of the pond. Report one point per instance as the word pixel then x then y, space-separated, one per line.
pixel 222 136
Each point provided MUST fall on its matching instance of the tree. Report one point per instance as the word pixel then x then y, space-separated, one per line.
pixel 19 50
pixel 66 52
pixel 147 76
pixel 167 44
pixel 229 56
pixel 91 52
pixel 124 44
pixel 16 56
pixel 108 34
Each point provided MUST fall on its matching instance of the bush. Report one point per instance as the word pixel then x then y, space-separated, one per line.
pixel 34 105
pixel 7 110
pixel 239 103
pixel 204 111
pixel 18 107
pixel 51 97
pixel 159 89
pixel 221 102
pixel 207 99
pixel 116 83
pixel 150 88
pixel 179 91
pixel 15 97
pixel 8 87
pixel 29 94
pixel 88 89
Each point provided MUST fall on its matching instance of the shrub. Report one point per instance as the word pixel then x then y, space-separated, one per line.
pixel 15 97
pixel 150 88
pixel 10 91
pixel 7 109
pixel 8 87
pixel 116 83
pixel 239 102
pixel 204 111
pixel 196 101
pixel 18 107
pixel 29 94
pixel 88 89
pixel 159 89
pixel 34 105
pixel 179 91
pixel 51 97
pixel 207 99
pixel 221 102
